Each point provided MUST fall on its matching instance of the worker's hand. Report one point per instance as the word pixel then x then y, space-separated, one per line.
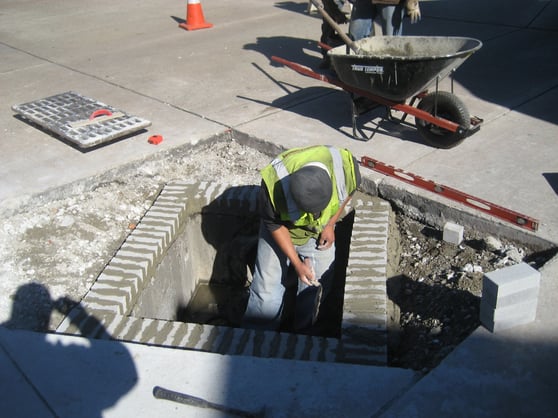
pixel 413 10
pixel 327 238
pixel 305 273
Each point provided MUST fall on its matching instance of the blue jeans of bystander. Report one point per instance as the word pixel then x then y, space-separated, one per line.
pixel 388 17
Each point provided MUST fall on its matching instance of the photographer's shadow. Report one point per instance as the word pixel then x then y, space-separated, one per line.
pixel 72 376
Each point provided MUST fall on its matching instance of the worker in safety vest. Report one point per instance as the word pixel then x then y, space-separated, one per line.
pixel 303 194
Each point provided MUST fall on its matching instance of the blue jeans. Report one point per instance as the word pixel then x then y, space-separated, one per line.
pixel 360 25
pixel 390 18
pixel 271 279
pixel 364 13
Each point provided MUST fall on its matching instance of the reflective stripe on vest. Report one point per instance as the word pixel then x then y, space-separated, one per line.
pixel 339 174
pixel 283 175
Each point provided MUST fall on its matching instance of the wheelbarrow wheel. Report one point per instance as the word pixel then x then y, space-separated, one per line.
pixel 450 107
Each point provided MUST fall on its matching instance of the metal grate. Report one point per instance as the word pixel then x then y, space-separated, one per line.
pixel 81 120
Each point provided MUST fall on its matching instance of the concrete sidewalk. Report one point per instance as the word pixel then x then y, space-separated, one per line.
pixel 49 375
pixel 195 85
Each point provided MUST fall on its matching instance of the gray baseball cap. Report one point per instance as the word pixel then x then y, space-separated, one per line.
pixel 311 188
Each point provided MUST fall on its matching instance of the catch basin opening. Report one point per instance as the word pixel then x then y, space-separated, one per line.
pixel 205 269
pixel 181 277
pixel 205 274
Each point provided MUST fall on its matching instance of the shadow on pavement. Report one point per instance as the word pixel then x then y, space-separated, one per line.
pixel 72 377
pixel 552 179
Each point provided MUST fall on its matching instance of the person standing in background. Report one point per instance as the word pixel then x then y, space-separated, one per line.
pixel 368 17
pixel 330 37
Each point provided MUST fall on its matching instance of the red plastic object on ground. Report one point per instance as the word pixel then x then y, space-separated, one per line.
pixel 155 139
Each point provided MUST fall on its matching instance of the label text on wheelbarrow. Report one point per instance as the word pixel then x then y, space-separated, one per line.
pixel 368 69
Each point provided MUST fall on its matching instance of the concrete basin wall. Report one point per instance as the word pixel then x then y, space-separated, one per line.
pixel 175 247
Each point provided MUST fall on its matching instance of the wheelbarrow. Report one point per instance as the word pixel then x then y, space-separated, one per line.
pixel 396 71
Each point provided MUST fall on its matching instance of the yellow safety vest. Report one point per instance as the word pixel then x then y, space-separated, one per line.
pixel 340 165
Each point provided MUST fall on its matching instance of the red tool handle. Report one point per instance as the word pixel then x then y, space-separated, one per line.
pixel 100 112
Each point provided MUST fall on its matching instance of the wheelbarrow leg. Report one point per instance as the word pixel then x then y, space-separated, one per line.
pixel 359 106
pixel 354 115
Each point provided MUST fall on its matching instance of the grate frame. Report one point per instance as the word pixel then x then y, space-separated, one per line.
pixel 79 119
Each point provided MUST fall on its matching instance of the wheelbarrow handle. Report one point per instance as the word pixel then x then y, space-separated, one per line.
pixel 350 43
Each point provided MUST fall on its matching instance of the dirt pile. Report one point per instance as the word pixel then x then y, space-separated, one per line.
pixel 437 287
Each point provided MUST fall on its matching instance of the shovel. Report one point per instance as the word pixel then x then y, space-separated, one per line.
pixel 350 43
pixel 184 398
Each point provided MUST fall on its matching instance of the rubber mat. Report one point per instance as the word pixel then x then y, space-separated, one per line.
pixel 81 120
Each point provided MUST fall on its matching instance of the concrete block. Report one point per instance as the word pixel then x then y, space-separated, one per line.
pixel 504 300
pixel 509 280
pixel 504 318
pixel 453 233
pixel 509 297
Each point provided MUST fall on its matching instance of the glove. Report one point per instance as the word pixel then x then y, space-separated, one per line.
pixel 413 10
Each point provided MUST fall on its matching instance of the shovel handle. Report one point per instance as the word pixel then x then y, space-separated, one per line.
pixel 350 43
pixel 184 398
pixel 100 112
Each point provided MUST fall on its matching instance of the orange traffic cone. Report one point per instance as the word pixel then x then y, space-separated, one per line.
pixel 194 17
